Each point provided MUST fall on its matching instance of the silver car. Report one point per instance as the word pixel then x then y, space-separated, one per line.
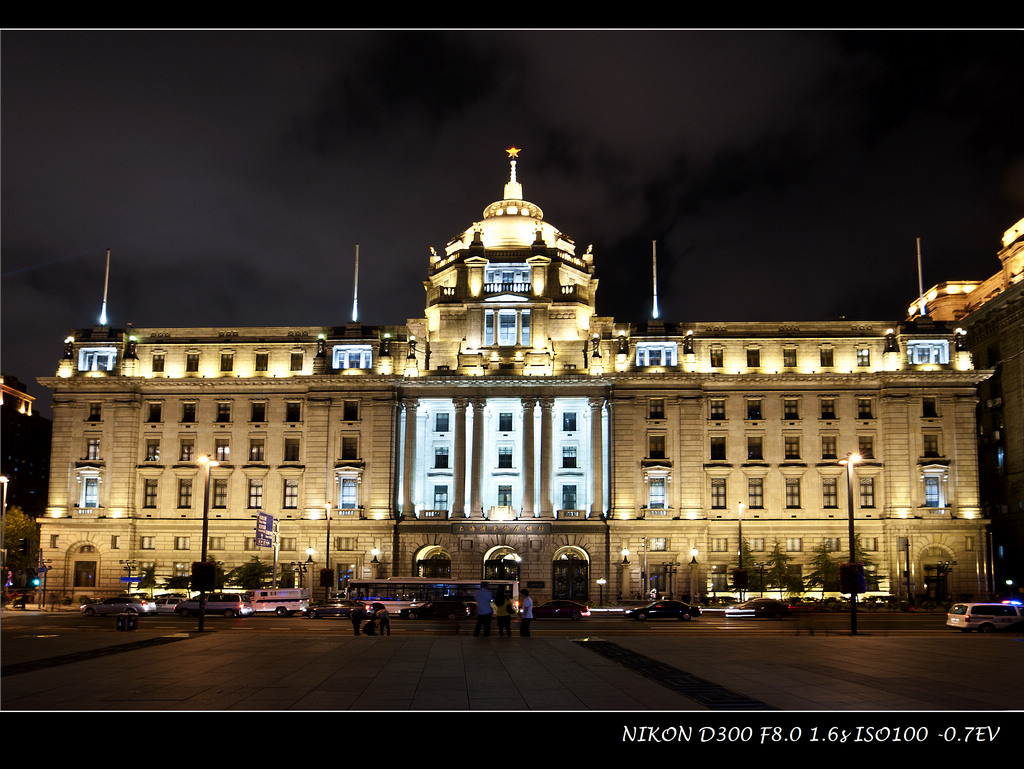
pixel 122 604
pixel 227 604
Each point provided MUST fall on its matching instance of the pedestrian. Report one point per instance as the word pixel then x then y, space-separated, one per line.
pixel 526 614
pixel 356 615
pixel 483 599
pixel 503 610
pixel 383 618
pixel 370 627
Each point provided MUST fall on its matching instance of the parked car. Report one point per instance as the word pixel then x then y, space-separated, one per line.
pixel 561 609
pixel 759 607
pixel 166 604
pixel 984 617
pixel 228 604
pixel 439 610
pixel 340 607
pixel 121 604
pixel 664 610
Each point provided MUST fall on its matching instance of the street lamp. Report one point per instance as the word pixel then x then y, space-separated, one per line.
pixel 850 461
pixel 600 584
pixel 207 463
pixel 694 571
pixel 327 556
pixel 740 577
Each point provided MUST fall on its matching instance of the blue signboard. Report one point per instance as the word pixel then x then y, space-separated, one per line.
pixel 264 530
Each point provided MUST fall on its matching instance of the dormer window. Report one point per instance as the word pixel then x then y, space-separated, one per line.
pixel 97 358
pixel 656 354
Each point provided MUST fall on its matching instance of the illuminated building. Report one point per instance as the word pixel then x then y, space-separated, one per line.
pixel 512 431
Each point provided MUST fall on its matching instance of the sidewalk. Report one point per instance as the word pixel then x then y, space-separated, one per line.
pixel 224 671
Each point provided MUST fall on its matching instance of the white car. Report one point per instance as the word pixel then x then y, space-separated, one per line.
pixel 166 604
pixel 227 604
pixel 984 617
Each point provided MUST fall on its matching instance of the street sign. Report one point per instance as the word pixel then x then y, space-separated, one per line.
pixel 264 530
pixel 133 580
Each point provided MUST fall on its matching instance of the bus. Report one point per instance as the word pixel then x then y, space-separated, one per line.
pixel 399 593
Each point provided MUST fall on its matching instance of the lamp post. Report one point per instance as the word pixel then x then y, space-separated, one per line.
pixel 207 463
pixel 694 572
pixel 327 556
pixel 739 551
pixel 600 584
pixel 850 461
pixel 624 579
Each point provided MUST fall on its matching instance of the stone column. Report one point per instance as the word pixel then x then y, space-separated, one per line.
pixel 529 484
pixel 546 428
pixel 476 477
pixel 597 455
pixel 459 460
pixel 409 458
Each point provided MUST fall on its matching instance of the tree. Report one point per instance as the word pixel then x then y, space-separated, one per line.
pixel 779 575
pixel 147 578
pixel 251 575
pixel 21 538
pixel 826 570
pixel 860 556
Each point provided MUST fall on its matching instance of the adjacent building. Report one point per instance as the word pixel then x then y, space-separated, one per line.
pixel 513 432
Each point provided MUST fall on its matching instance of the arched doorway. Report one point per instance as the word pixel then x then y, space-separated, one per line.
pixel 570 574
pixel 433 562
pixel 501 562
pixel 938 567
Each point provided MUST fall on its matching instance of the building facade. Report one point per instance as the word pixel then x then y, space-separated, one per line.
pixel 514 432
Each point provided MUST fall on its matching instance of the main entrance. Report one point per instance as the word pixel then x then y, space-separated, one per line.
pixel 570 575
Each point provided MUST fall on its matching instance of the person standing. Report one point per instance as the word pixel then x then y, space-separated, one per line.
pixel 356 616
pixel 503 611
pixel 483 610
pixel 526 614
pixel 383 617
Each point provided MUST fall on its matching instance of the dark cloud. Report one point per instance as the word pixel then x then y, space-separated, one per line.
pixel 782 174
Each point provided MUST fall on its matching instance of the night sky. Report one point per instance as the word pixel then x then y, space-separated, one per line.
pixel 784 175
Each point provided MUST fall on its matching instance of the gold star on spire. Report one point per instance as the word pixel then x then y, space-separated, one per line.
pixel 513 152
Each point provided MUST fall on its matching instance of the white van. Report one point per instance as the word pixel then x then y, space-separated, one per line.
pixel 984 617
pixel 283 603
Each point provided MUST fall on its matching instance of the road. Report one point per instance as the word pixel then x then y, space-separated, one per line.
pixel 601 623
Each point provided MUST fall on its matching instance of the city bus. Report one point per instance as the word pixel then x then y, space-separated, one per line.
pixel 399 593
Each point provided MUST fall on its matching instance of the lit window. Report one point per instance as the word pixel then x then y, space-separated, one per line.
pixel 792 492
pixel 569 497
pixel 440 457
pixel 504 457
pixel 789 357
pixel 568 456
pixel 569 422
pixel 827 357
pixel 830 493
pixel 922 351
pixel 255 494
pixel 863 356
pixel 755 493
pixel 656 354
pixel 657 493
pixel 291 494
pixel 184 493
pixel 97 358
pixel 353 356
pixel 718 500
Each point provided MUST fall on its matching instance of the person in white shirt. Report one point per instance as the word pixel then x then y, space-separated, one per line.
pixel 525 613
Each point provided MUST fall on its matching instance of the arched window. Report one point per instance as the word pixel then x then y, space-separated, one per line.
pixel 501 563
pixel 570 574
pixel 433 562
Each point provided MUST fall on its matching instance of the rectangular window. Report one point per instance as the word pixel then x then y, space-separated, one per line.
pixel 293 411
pixel 257 449
pixel 867 492
pixel 718 500
pixel 755 493
pixel 504 457
pixel 831 544
pixel 716 408
pixel 753 358
pixel 864 408
pixel 657 493
pixel 158 363
pixel 488 328
pixel 188 450
pixel 931 445
pixel 155 413
pixel 92 448
pixel 227 362
pixel 929 408
pixel 828 408
pixel 291 494
pixel 656 408
pixel 349 447
pixel 184 493
pixel 258 412
pixel 192 362
pixel 349 493
pixel 863 356
pixel 188 412
pixel 505 422
pixel 718 448
pixel 255 494
pixel 827 357
pixel 792 493
pixel 183 543
pixel 291 449
pixel 524 336
pixel 569 422
pixel 932 498
pixel 792 447
pixel 506 328
pixel 222 450
pixel 866 446
pixel 569 497
pixel 441 457
pixel 504 496
pixel 828 447
pixel 790 408
pixel 353 356
pixel 95 412
pixel 441 422
pixel 568 456
pixel 656 447
pixel 830 493
pixel 789 357
pixel 216 543
pixel 716 357
pixel 147 543
pixel 149 492
pixel 350 411
pixel 440 497
pixel 794 544
pixel 219 492
pixel 296 361
pixel 262 361
pixel 223 412
pixel 754 408
pixel 755 448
